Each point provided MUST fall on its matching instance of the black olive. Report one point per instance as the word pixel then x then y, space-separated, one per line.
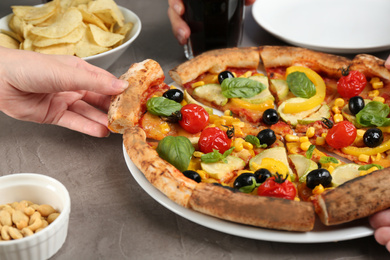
pixel 193 175
pixel 373 137
pixel 174 94
pixel 355 104
pixel 270 116
pixel 262 174
pixel 224 75
pixel 266 136
pixel 246 179
pixel 317 177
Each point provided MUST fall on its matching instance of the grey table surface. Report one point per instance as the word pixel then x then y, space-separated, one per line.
pixel 112 217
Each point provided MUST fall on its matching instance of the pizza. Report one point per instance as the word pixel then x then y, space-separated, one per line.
pixel 268 136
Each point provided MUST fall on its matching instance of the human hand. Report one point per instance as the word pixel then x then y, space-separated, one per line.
pixel 53 89
pixel 381 223
pixel 180 29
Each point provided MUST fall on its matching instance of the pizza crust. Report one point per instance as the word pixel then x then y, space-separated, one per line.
pixel 371 66
pixel 164 176
pixel 355 199
pixel 215 61
pixel 125 108
pixel 285 56
pixel 266 212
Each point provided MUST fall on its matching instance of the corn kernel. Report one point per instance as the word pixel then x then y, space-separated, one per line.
pixel 318 189
pixel 214 79
pixel 360 132
pixel 227 113
pixel 330 168
pixel 336 110
pixel 234 74
pixel 379 99
pixel 248 146
pixel 324 135
pixel 203 174
pixel 246 74
pixel 339 102
pixel 172 87
pixel 305 145
pixel 183 103
pixel 377 85
pixel 291 138
pixel 197 154
pixel 165 128
pixel 303 139
pixel 376 157
pixel 320 140
pixel 373 93
pixel 338 118
pixel 310 132
pixel 364 158
pixel 197 84
pixel 375 79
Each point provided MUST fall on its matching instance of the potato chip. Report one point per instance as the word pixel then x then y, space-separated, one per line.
pixel 28 13
pixel 16 25
pixel 105 39
pixel 72 37
pixel 125 29
pixel 107 8
pixel 93 19
pixel 8 42
pixel 71 19
pixel 58 49
pixel 87 46
pixel 13 35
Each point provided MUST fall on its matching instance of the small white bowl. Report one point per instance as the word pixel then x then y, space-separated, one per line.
pixel 106 59
pixel 40 189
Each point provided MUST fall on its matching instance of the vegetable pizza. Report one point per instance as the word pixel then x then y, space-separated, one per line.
pixel 267 136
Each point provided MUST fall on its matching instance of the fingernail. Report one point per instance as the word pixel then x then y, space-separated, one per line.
pixel 177 8
pixel 120 84
pixel 181 37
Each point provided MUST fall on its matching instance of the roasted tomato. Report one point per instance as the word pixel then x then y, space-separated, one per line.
pixel 214 138
pixel 277 187
pixel 351 83
pixel 194 118
pixel 341 135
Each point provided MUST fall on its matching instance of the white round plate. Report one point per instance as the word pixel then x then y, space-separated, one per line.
pixel 347 26
pixel 321 233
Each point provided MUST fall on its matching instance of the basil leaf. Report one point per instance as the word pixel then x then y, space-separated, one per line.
pixel 300 85
pixel 161 106
pixel 328 159
pixel 369 166
pixel 255 141
pixel 177 150
pixel 249 188
pixel 309 152
pixel 241 87
pixel 216 156
pixel 374 114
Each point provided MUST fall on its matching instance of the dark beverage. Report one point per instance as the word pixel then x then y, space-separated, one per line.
pixel 214 24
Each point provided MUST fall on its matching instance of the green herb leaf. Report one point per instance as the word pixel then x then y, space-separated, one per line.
pixel 241 87
pixel 255 141
pixel 249 188
pixel 161 106
pixel 369 166
pixel 374 114
pixel 309 152
pixel 177 150
pixel 300 85
pixel 216 156
pixel 328 159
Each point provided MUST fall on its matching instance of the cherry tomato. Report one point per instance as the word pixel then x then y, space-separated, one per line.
pixel 214 138
pixel 341 135
pixel 352 84
pixel 277 187
pixel 193 118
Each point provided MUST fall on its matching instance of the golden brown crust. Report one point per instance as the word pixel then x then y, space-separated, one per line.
pixel 164 176
pixel 285 56
pixel 125 108
pixel 266 212
pixel 370 66
pixel 215 61
pixel 355 199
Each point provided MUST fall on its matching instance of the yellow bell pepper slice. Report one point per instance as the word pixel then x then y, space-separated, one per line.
pixel 356 151
pixel 256 107
pixel 317 99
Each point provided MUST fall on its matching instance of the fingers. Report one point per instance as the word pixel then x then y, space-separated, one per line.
pixel 382 236
pixel 380 219
pixel 180 29
pixel 387 63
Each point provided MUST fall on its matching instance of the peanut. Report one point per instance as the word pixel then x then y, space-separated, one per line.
pixel 4 233
pixel 15 233
pixel 45 210
pixel 5 218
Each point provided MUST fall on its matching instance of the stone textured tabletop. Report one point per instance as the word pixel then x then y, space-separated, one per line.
pixel 112 217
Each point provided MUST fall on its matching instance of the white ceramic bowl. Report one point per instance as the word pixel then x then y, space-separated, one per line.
pixel 39 189
pixel 106 59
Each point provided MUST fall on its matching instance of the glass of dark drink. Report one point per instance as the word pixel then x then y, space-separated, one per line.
pixel 214 24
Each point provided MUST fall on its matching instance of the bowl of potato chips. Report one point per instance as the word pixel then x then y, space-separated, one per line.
pixel 98 31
